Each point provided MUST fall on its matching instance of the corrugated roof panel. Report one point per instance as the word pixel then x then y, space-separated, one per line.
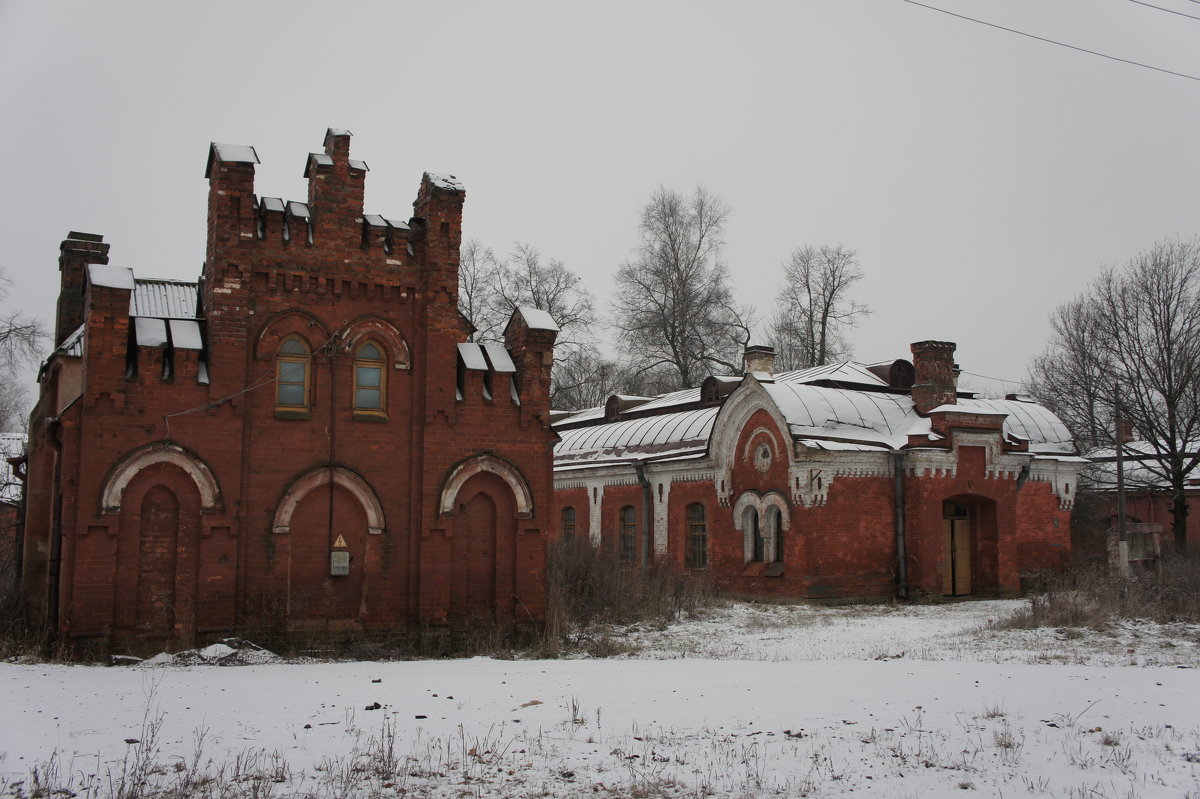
pixel 652 436
pixel 164 299
pixel 73 344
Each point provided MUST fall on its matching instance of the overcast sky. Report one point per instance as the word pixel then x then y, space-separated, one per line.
pixel 982 176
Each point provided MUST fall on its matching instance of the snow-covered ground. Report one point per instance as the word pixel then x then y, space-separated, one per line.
pixel 748 700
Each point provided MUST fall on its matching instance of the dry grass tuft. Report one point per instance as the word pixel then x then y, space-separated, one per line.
pixel 1091 597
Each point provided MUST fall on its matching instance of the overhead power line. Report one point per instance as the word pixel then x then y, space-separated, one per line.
pixel 1052 41
pixel 1168 10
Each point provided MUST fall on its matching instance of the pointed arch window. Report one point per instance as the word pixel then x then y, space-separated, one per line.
pixel 567 527
pixel 627 550
pixel 697 537
pixel 292 375
pixel 370 391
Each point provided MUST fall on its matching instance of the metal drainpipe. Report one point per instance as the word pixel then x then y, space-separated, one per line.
pixel 901 554
pixel 647 498
pixel 54 567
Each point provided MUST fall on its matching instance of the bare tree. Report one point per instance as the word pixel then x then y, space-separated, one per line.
pixel 814 307
pixel 490 290
pixel 1073 378
pixel 21 338
pixel 477 270
pixel 673 306
pixel 1131 346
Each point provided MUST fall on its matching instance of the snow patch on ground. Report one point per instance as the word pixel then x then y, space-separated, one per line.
pixel 742 701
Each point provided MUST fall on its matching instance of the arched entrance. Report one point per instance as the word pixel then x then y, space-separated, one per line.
pixel 158 542
pixel 328 552
pixel 483 553
pixel 969 546
pixel 328 515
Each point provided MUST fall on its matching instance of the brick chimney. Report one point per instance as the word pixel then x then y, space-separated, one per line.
pixel 79 250
pixel 935 381
pixel 760 358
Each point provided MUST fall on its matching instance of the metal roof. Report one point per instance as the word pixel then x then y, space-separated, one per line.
pixel 1035 423
pixel 868 417
pixel 845 372
pixel 163 299
pixel 669 434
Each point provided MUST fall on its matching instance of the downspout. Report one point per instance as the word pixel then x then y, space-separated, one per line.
pixel 901 554
pixel 54 567
pixel 640 468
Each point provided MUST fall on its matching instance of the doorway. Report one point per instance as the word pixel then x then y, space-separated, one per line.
pixel 956 549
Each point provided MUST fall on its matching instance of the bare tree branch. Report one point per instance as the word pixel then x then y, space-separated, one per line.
pixel 673 303
pixel 814 308
pixel 1131 345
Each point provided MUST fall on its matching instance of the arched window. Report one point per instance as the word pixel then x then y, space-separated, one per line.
pixel 291 373
pixel 697 537
pixel 753 527
pixel 628 550
pixel 369 388
pixel 567 528
pixel 775 528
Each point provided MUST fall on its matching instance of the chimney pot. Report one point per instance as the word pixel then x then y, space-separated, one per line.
pixel 760 358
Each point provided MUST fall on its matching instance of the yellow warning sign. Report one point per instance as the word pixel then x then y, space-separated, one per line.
pixel 341 542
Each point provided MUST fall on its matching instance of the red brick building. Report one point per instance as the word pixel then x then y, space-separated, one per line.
pixel 300 440
pixel 848 480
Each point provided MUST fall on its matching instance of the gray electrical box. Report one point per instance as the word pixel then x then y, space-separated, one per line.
pixel 339 564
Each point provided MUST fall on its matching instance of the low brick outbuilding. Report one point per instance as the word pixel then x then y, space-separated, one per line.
pixel 842 481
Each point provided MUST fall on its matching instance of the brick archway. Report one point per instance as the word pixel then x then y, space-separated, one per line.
pixel 163 452
pixel 487 463
pixel 351 481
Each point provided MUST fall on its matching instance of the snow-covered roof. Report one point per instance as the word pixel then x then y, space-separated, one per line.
pixel 472 358
pixel 150 332
pixel 688 396
pixel 236 153
pixel 73 344
pixel 1137 454
pixel 11 445
pixel 443 181
pixel 499 358
pixel 536 318
pixel 866 417
pixel 845 372
pixel 164 299
pixel 665 435
pixel 819 416
pixel 1044 431
pixel 115 277
pixel 185 334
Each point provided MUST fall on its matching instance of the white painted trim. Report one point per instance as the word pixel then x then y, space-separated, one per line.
pixel 123 474
pixel 487 463
pixel 352 482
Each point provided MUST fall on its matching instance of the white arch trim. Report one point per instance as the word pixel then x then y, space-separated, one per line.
pixel 340 475
pixel 134 462
pixel 487 463
pixel 752 499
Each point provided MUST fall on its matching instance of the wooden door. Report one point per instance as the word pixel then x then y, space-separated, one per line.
pixel 956 557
